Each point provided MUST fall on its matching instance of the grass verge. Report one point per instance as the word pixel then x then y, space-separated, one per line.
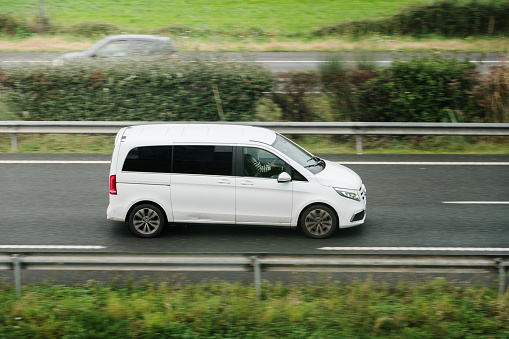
pixel 96 143
pixel 59 143
pixel 406 144
pixel 435 309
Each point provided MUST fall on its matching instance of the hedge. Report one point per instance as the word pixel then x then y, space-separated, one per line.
pixel 183 90
pixel 432 88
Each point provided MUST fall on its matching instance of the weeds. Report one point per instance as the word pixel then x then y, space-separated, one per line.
pixel 222 310
pixel 494 95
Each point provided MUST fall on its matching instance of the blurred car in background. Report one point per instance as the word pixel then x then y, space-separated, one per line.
pixel 125 46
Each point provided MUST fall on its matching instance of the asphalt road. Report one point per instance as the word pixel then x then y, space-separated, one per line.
pixel 49 205
pixel 289 61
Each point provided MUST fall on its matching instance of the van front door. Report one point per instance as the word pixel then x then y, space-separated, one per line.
pixel 261 199
pixel 202 184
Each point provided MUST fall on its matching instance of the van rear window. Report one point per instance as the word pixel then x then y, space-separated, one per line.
pixel 149 159
pixel 211 160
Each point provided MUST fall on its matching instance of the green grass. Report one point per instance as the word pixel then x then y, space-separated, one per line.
pixel 230 25
pixel 325 309
pixel 290 16
pixel 90 143
pixel 59 143
pixel 405 145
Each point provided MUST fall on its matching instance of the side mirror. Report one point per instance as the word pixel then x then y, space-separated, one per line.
pixel 284 177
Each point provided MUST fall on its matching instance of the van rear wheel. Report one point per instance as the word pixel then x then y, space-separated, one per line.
pixel 146 221
pixel 318 221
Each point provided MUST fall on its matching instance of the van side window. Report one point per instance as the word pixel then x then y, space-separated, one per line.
pixel 149 159
pixel 260 163
pixel 211 160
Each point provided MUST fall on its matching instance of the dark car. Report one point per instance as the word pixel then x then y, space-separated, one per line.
pixel 123 46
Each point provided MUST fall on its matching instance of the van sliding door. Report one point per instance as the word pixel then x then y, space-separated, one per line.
pixel 202 184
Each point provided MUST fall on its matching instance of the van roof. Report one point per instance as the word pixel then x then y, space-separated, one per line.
pixel 177 132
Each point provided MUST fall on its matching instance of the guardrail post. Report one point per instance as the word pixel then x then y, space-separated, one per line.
pixel 255 261
pixel 14 141
pixel 16 263
pixel 501 276
pixel 358 142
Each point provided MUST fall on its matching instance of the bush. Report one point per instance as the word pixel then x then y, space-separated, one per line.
pixel 179 30
pixel 90 29
pixel 422 90
pixel 11 26
pixel 451 19
pixel 198 89
pixel 445 18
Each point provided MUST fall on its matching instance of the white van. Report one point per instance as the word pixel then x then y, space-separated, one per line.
pixel 227 174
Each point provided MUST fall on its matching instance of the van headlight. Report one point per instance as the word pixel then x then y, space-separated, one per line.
pixel 347 193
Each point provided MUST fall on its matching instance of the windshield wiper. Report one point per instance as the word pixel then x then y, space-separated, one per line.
pixel 318 162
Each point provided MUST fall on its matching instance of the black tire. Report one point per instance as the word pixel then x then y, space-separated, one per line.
pixel 318 221
pixel 146 221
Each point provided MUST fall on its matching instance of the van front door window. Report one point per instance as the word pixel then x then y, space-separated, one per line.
pixel 261 163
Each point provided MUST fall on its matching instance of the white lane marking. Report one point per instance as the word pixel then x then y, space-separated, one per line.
pixel 477 202
pixel 53 162
pixel 467 249
pixel 52 247
pixel 425 163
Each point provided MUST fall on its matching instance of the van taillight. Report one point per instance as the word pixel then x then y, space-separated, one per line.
pixel 113 184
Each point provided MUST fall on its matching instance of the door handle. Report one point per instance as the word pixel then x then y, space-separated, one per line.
pixel 223 181
pixel 246 182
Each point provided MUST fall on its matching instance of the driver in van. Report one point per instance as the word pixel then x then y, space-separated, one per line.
pixel 252 164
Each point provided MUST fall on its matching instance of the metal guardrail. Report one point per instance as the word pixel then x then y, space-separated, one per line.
pixel 344 128
pixel 258 263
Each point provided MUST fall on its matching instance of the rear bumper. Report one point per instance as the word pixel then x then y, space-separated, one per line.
pixel 113 213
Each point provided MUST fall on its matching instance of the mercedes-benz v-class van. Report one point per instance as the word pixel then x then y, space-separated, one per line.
pixel 165 174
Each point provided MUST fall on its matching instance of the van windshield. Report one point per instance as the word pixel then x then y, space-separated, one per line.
pixel 300 155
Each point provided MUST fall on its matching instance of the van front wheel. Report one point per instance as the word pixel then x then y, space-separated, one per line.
pixel 146 221
pixel 318 221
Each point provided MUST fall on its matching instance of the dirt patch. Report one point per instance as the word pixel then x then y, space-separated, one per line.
pixel 450 45
pixel 44 44
pixel 38 44
pixel 372 44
